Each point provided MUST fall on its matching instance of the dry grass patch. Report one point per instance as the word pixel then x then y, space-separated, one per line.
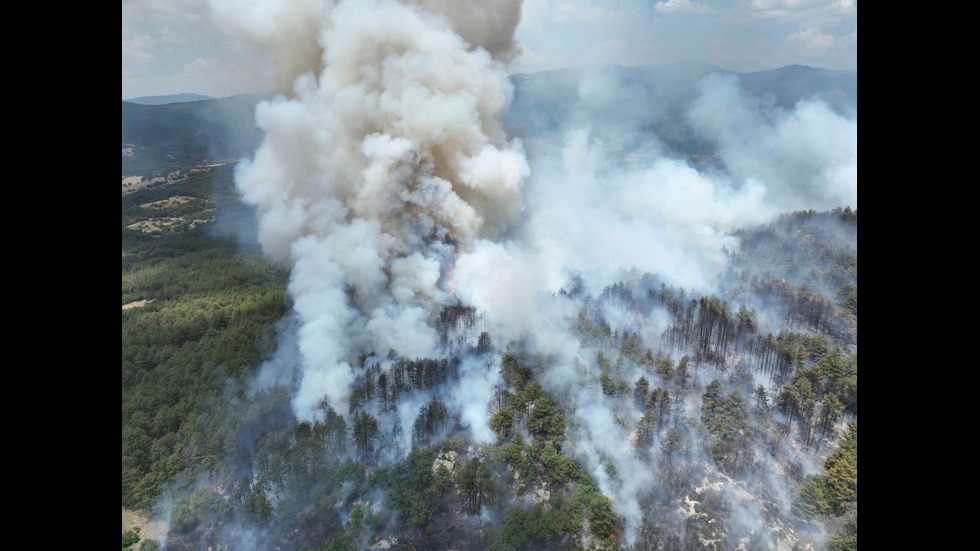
pixel 167 225
pixel 168 202
pixel 149 529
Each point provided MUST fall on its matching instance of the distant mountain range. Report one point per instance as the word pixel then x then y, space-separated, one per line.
pixel 163 100
pixel 792 83
pixel 626 105
pixel 618 101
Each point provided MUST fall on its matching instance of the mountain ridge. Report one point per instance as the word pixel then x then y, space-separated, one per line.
pixel 168 99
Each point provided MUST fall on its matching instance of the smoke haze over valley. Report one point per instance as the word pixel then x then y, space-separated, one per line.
pixel 406 298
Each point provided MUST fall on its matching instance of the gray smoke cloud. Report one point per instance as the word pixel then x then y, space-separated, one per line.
pixel 280 37
pixel 807 156
pixel 388 185
pixel 286 38
pixel 588 215
pixel 477 379
pixel 381 166
pixel 482 24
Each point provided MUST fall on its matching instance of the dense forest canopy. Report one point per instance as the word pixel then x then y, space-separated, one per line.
pixel 707 394
pixel 430 306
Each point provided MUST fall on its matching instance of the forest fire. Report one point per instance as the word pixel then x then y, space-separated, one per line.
pixel 596 345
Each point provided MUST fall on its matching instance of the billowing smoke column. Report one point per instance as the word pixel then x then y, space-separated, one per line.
pixel 386 161
pixel 285 37
pixel 388 185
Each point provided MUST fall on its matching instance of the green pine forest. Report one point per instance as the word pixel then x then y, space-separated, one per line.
pixel 232 466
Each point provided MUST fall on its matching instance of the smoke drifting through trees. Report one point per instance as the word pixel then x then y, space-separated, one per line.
pixel 385 172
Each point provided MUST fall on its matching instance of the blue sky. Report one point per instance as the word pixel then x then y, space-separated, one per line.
pixel 174 46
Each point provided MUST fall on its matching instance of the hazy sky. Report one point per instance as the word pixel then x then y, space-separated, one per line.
pixel 172 46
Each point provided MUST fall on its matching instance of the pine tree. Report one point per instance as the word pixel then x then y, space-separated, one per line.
pixel 476 486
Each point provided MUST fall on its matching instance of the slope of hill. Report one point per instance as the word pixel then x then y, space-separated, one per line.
pixel 688 418
pixel 176 135
pixel 793 83
pixel 624 105
pixel 163 100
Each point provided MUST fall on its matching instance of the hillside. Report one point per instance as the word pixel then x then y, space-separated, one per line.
pixel 692 421
pixel 623 104
pixel 164 100
pixel 657 353
pixel 158 138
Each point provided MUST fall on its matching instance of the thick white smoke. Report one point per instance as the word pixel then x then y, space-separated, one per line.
pixel 386 167
pixel 589 216
pixel 284 37
pixel 381 166
pixel 511 282
pixel 806 157
pixel 280 37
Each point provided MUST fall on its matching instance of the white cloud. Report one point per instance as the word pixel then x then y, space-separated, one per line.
pixel 813 47
pixel 746 36
pixel 205 67
pixel 583 11
pixel 212 76
pixel 804 12
pixel 791 5
pixel 810 42
pixel 807 46
pixel 682 6
pixel 135 50
pixel 609 51
pixel 533 12
pixel 170 36
pixel 186 11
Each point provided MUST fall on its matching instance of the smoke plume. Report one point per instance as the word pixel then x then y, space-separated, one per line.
pixel 286 39
pixel 382 165
pixel 807 156
pixel 593 217
pixel 387 184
